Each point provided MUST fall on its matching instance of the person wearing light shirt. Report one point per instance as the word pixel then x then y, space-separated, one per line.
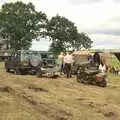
pixel 68 60
pixel 102 68
pixel 60 62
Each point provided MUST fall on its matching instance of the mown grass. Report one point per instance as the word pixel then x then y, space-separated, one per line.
pixel 30 98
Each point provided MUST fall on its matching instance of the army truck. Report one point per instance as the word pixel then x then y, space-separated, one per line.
pixel 24 61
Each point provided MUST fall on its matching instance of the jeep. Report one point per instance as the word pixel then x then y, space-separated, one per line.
pixel 24 61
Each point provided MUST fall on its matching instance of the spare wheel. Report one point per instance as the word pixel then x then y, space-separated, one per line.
pixel 34 62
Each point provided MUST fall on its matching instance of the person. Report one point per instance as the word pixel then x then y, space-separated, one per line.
pixel 60 62
pixel 102 67
pixel 96 58
pixel 68 60
pixel 90 58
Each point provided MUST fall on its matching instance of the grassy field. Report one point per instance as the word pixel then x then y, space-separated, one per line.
pixel 25 97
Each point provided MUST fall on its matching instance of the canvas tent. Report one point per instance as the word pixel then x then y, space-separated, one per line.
pixel 81 56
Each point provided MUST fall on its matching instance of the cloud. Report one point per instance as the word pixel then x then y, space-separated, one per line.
pixel 106 46
pixel 43 44
pixel 108 27
pixel 2 2
pixel 116 0
pixel 83 1
pixel 115 19
pixel 106 31
pixel 105 41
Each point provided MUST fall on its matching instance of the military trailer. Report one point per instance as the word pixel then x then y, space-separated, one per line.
pixel 24 61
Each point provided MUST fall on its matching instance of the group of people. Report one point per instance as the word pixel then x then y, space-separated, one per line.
pixel 65 62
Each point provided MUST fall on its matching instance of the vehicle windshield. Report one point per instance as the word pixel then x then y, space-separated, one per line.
pixel 47 56
pixel 27 55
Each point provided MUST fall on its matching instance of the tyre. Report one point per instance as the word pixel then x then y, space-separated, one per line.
pixel 39 73
pixel 34 62
pixel 77 77
pixel 17 71
pixel 93 82
pixel 82 80
pixel 103 83
pixel 23 72
pixel 7 69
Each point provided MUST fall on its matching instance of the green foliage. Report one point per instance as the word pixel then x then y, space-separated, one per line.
pixel 56 47
pixel 115 62
pixel 65 36
pixel 62 32
pixel 82 41
pixel 20 23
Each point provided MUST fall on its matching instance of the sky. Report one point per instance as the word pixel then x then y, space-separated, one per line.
pixel 99 19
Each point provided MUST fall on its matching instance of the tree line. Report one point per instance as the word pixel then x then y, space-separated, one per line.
pixel 20 23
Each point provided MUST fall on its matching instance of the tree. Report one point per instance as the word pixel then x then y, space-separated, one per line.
pixel 56 47
pixel 62 32
pixel 82 41
pixel 65 36
pixel 20 23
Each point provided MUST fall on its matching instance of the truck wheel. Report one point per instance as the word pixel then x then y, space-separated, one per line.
pixel 82 80
pixel 103 83
pixel 23 72
pixel 7 69
pixel 77 78
pixel 39 73
pixel 17 71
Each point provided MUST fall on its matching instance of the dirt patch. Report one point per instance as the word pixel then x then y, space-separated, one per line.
pixel 81 98
pixel 52 112
pixel 48 110
pixel 109 114
pixel 37 88
pixel 6 89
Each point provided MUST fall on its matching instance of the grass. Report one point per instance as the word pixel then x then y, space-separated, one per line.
pixel 27 97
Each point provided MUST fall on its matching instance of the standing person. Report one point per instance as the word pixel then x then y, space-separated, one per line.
pixel 102 67
pixel 60 61
pixel 90 58
pixel 97 59
pixel 68 60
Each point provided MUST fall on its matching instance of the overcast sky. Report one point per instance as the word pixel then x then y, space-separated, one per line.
pixel 100 19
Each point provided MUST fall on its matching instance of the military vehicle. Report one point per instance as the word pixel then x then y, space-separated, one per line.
pixel 38 62
pixel 88 73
